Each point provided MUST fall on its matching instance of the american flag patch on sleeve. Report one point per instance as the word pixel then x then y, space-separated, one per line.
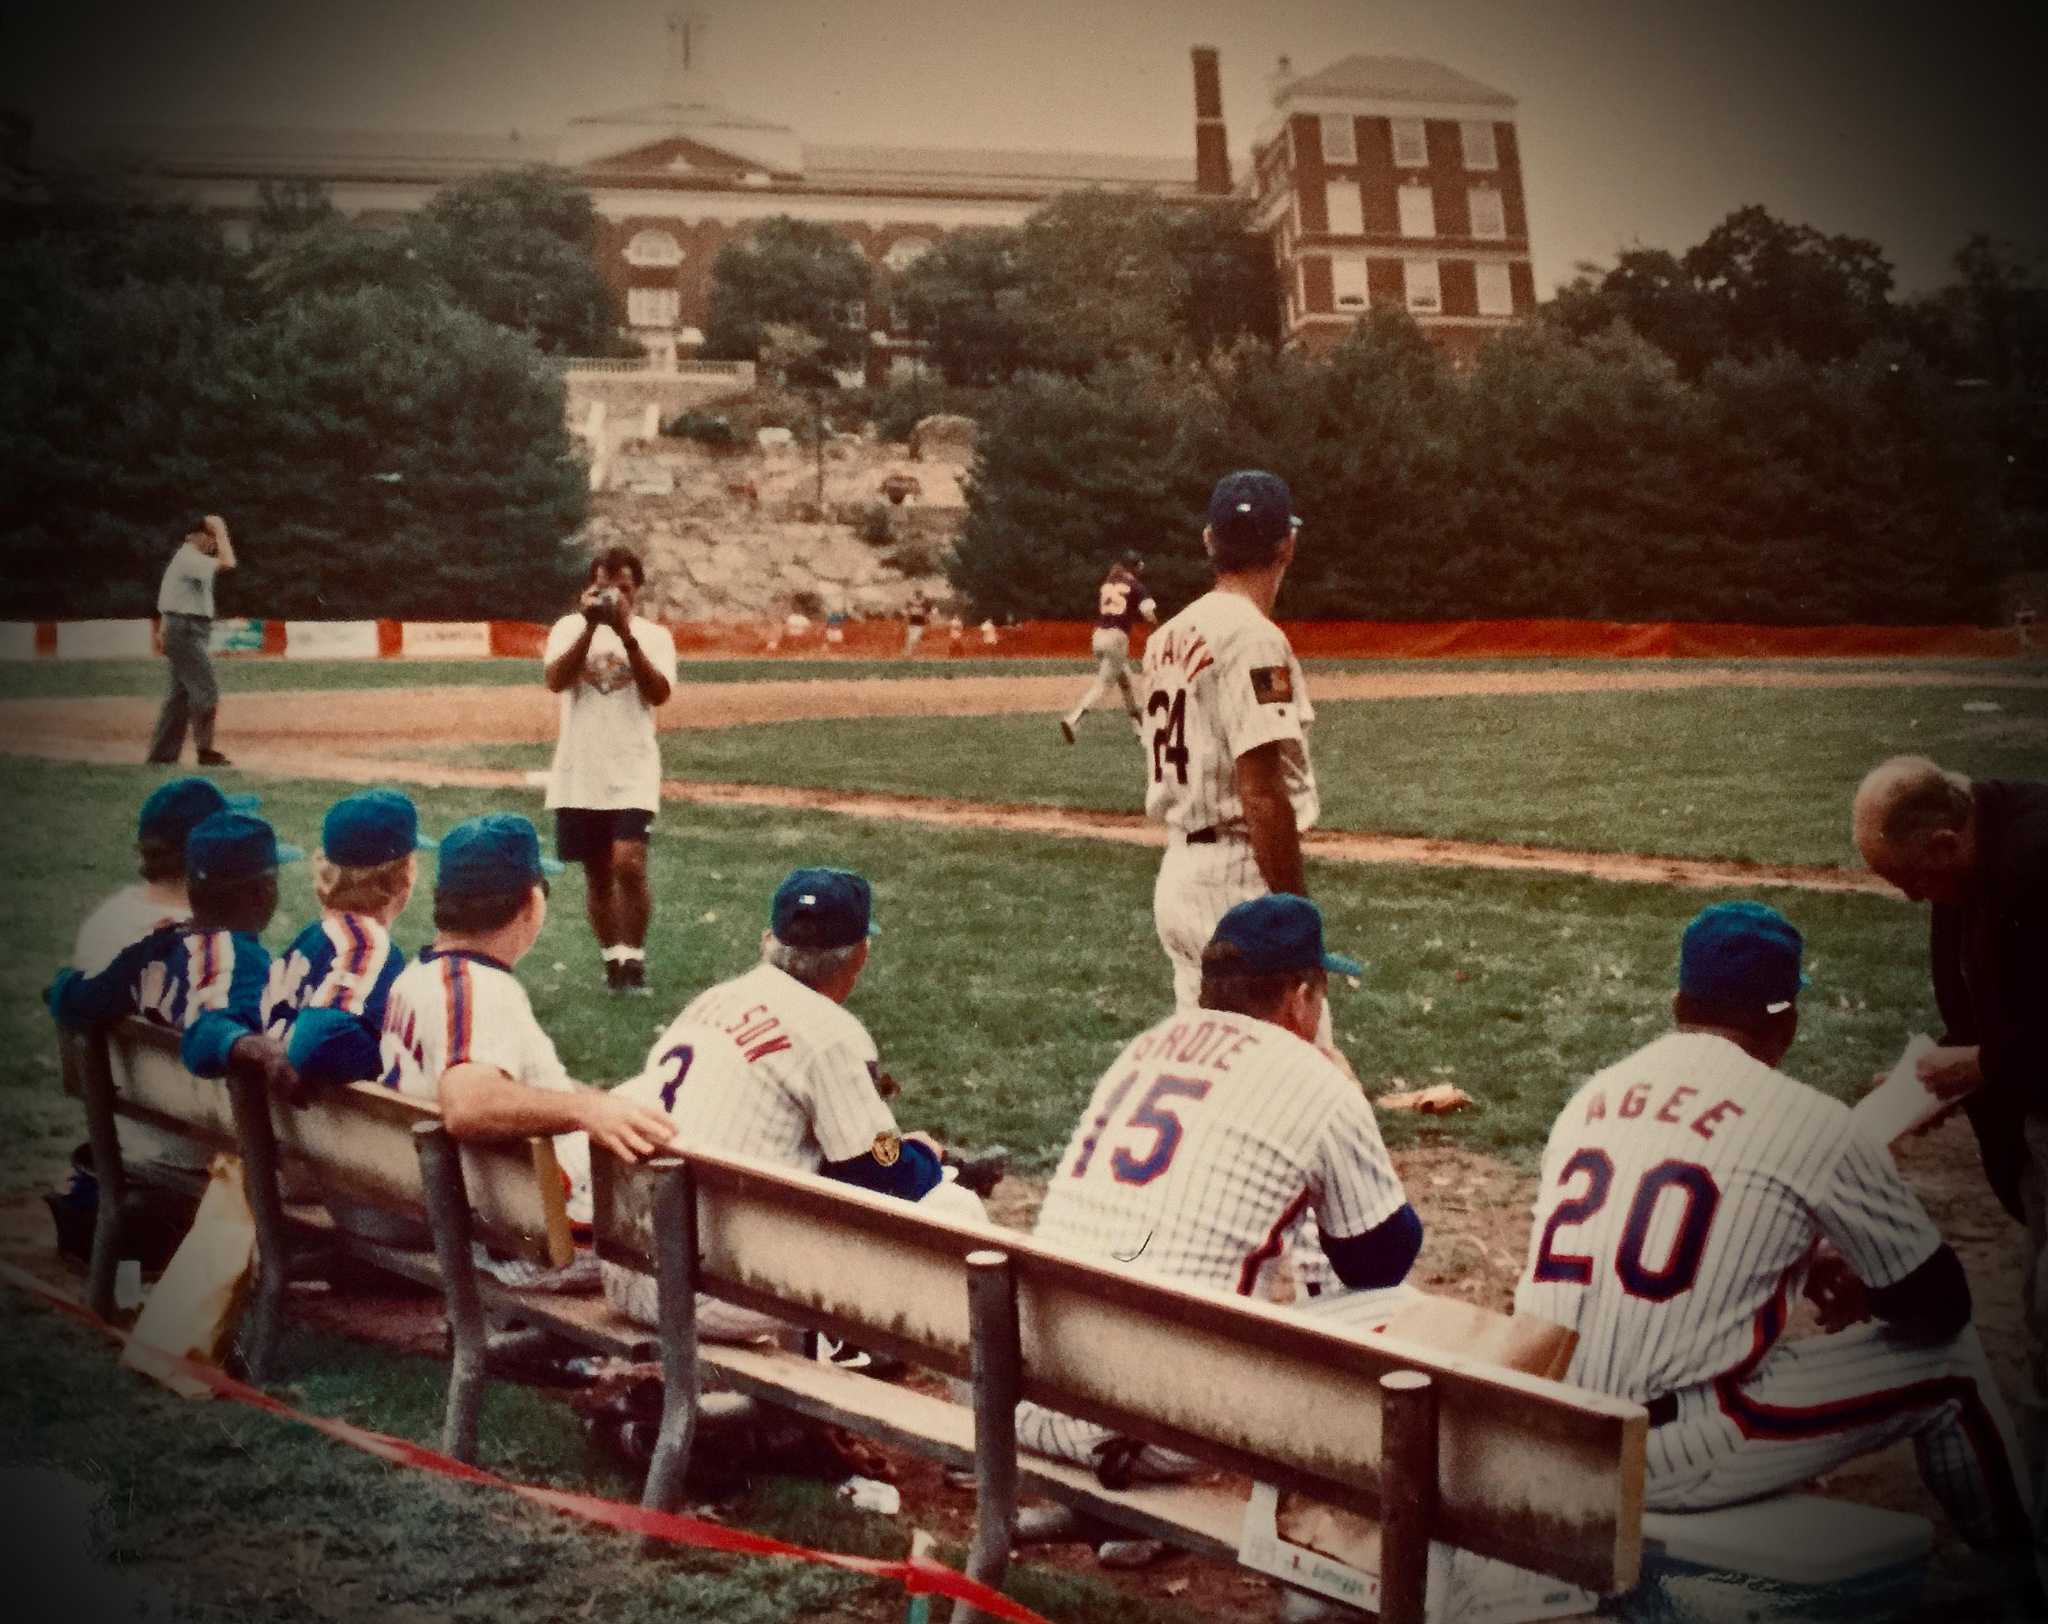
pixel 1272 684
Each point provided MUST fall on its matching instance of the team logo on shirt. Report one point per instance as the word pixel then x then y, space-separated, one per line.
pixel 887 1148
pixel 1272 684
pixel 607 673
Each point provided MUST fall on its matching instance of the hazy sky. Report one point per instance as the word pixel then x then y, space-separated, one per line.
pixel 1640 122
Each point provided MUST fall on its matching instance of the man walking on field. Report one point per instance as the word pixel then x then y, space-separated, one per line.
pixel 184 602
pixel 613 670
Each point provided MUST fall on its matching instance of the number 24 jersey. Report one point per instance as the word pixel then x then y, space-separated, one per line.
pixel 1683 1192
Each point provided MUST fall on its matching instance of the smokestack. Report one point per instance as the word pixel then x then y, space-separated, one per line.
pixel 1212 147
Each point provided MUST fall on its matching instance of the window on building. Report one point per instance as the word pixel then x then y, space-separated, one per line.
pixel 1418 211
pixel 1307 304
pixel 1340 139
pixel 653 307
pixel 653 248
pixel 1347 282
pixel 1496 292
pixel 1411 143
pixel 1344 208
pixel 905 252
pixel 1476 135
pixel 1489 215
pixel 1425 290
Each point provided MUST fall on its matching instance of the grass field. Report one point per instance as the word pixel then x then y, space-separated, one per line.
pixel 1763 774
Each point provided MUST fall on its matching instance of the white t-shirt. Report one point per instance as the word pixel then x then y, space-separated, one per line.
pixel 127 916
pixel 188 583
pixel 606 757
pixel 1208 1142
pixel 1220 681
pixel 452 1009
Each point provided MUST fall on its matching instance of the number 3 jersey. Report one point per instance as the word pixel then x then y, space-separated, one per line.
pixel 1220 680
pixel 1683 1192
pixel 1207 1141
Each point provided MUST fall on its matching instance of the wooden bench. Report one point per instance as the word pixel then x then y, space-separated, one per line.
pixel 1431 1446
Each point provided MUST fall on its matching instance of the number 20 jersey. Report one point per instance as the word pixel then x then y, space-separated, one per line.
pixel 1206 1143
pixel 1220 680
pixel 1683 1192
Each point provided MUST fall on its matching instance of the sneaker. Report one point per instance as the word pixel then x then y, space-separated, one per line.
pixel 1130 1553
pixel 213 758
pixel 633 978
pixel 839 1355
pixel 1066 730
pixel 612 980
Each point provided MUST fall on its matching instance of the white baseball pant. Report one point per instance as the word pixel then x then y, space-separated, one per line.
pixel 1822 1401
pixel 1196 886
pixel 1112 650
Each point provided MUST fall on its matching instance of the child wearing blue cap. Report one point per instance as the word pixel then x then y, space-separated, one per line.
pixel 205 977
pixel 325 998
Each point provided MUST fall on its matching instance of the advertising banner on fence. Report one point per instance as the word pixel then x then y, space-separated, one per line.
pixel 330 639
pixel 446 639
pixel 17 639
pixel 105 639
pixel 237 637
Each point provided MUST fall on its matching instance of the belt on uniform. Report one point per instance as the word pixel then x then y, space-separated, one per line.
pixel 1200 837
pixel 1663 1409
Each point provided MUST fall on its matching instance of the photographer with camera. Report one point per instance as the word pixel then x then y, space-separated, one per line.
pixel 613 670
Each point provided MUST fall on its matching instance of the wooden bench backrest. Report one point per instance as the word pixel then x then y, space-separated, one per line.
pixel 356 1140
pixel 1531 1471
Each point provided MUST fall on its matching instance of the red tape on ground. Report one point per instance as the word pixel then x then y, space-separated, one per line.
pixel 918 1575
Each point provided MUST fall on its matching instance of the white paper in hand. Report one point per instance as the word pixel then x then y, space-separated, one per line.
pixel 1901 1102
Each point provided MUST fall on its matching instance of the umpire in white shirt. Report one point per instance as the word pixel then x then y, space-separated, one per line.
pixel 185 603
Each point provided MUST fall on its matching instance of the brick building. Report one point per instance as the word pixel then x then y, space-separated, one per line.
pixel 1380 179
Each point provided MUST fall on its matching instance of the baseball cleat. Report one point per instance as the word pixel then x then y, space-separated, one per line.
pixel 1066 730
pixel 613 983
pixel 213 758
pixel 633 979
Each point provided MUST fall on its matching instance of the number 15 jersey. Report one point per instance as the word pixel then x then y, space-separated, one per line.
pixel 1683 1192
pixel 1220 680
pixel 1206 1143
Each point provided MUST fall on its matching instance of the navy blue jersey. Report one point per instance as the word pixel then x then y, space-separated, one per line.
pixel 206 984
pixel 342 964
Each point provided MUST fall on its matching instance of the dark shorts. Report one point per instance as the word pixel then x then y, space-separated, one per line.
pixel 582 834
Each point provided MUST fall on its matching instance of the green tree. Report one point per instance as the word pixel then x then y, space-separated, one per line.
pixel 1792 287
pixel 286 208
pixel 1650 292
pixel 340 256
pixel 795 273
pixel 965 298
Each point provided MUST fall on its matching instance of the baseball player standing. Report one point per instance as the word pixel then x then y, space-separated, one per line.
pixel 1689 1190
pixel 1120 603
pixel 915 618
pixel 1227 715
pixel 184 604
pixel 772 1064
pixel 613 671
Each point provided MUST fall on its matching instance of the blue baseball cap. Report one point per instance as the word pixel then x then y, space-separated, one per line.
pixel 370 827
pixel 1252 505
pixel 234 846
pixel 822 907
pixel 1280 932
pixel 1741 955
pixel 492 855
pixel 173 810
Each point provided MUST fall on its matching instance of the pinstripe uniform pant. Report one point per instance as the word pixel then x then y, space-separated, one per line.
pixel 1112 650
pixel 1819 1402
pixel 1195 887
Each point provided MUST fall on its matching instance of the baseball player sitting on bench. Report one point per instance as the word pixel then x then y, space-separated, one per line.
pixel 458 1028
pixel 325 1001
pixel 1689 1190
pixel 1210 1138
pixel 771 1064
pixel 202 977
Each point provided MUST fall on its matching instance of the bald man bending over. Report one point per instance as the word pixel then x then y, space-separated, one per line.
pixel 1979 854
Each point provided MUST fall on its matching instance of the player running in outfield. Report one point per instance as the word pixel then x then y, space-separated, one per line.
pixel 1690 1190
pixel 1212 1136
pixel 458 1028
pixel 1227 717
pixel 202 977
pixel 772 1064
pixel 1120 603
pixel 613 670
pixel 325 1000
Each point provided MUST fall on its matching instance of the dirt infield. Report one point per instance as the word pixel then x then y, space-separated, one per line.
pixel 349 735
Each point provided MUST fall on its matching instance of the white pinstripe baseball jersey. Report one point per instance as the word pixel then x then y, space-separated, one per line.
pixel 764 1066
pixel 1220 680
pixel 1207 1141
pixel 448 1009
pixel 1683 1192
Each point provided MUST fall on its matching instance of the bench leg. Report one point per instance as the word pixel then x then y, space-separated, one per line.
pixel 448 1218
pixel 992 1318
pixel 1407 1494
pixel 96 1081
pixel 251 1102
pixel 675 1274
